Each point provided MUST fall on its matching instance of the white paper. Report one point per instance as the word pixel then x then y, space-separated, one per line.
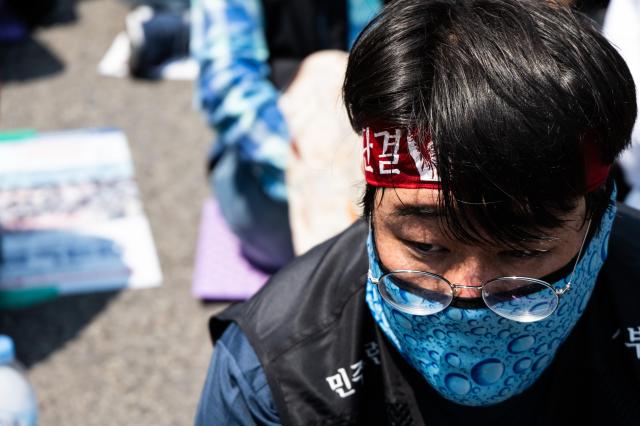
pixel 71 216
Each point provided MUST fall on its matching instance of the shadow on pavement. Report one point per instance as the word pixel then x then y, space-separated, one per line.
pixel 27 60
pixel 47 13
pixel 63 13
pixel 40 330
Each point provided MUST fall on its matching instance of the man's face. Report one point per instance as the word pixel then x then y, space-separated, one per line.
pixel 408 235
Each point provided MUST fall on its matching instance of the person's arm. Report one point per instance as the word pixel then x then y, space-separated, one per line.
pixel 236 391
pixel 234 91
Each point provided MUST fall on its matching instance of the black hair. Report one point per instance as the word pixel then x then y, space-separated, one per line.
pixel 509 91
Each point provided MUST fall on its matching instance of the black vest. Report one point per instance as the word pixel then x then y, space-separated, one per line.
pixel 327 363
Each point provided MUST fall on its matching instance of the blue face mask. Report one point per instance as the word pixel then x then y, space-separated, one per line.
pixel 475 357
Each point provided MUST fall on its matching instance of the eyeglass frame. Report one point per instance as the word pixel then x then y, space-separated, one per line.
pixel 558 292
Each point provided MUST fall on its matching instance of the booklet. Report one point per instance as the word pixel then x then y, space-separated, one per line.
pixel 71 219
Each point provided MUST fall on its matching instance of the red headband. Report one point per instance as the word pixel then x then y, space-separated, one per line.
pixel 394 159
pixel 597 171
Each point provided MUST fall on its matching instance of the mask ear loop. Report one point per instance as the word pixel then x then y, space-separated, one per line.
pixel 369 273
pixel 567 287
pixel 383 268
pixel 373 279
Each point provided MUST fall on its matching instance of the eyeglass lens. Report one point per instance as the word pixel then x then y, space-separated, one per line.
pixel 415 292
pixel 523 300
pixel 420 293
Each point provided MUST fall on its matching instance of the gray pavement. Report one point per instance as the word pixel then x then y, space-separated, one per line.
pixel 120 358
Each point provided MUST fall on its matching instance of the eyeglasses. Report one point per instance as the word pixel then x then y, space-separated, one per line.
pixel 516 298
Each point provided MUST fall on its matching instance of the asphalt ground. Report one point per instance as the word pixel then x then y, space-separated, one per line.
pixel 135 357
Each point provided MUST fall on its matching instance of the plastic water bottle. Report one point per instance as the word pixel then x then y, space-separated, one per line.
pixel 17 400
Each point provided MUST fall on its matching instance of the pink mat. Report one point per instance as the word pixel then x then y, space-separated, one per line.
pixel 221 272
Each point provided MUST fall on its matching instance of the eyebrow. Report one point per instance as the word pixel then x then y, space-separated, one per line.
pixel 431 211
pixel 421 211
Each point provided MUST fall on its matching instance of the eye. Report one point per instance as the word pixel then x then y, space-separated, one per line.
pixel 525 254
pixel 425 248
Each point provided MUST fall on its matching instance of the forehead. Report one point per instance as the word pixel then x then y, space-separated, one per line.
pixel 395 198
pixel 420 209
pixel 408 205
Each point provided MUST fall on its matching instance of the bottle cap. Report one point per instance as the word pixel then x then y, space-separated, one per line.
pixel 7 349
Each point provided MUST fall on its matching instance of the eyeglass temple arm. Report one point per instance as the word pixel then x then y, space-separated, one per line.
pixel 372 278
pixel 566 288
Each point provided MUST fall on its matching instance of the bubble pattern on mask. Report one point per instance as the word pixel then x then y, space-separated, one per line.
pixel 475 357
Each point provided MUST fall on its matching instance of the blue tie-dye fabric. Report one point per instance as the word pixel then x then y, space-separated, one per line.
pixel 475 357
pixel 233 88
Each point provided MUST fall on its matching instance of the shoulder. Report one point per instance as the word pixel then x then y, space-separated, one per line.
pixel 310 326
pixel 622 267
pixel 624 243
pixel 310 293
pixel 613 349
pixel 236 390
pixel 307 321
pixel 618 281
pixel 621 271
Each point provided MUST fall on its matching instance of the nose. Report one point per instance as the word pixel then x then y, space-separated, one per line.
pixel 470 274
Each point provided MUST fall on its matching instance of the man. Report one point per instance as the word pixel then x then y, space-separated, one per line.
pixel 494 281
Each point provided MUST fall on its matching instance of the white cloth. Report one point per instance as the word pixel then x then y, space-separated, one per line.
pixel 622 29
